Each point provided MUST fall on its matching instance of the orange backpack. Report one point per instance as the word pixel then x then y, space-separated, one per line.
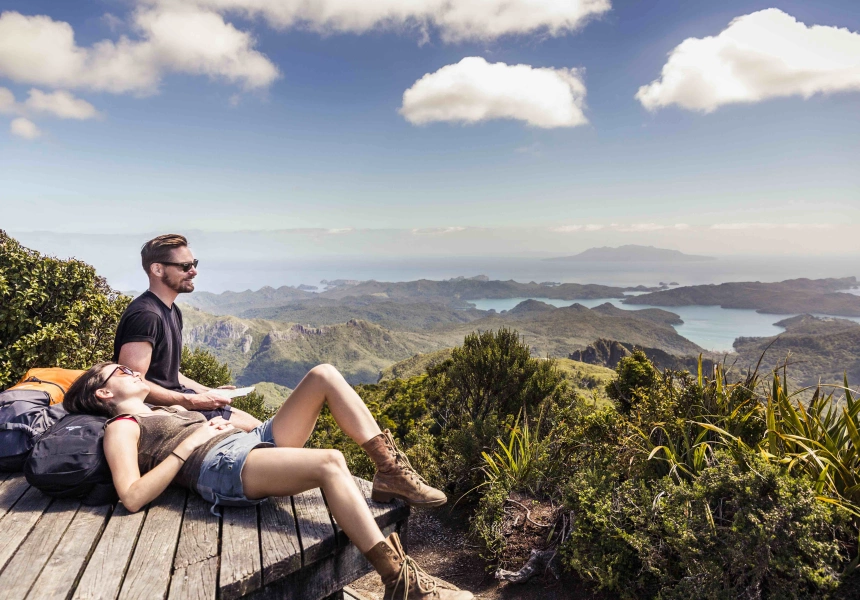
pixel 54 380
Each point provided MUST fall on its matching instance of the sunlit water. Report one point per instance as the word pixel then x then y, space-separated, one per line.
pixel 711 327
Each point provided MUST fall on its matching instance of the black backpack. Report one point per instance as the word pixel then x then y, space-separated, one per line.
pixel 68 461
pixel 25 415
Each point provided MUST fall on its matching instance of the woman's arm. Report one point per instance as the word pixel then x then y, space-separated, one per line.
pixel 120 445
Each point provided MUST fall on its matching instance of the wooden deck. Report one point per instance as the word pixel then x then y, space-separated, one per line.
pixel 285 548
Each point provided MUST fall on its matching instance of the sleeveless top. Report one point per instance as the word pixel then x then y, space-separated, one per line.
pixel 162 431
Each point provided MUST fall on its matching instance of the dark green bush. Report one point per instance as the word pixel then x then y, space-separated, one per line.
pixel 478 393
pixel 52 312
pixel 734 532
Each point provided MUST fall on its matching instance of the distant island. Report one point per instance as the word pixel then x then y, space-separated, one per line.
pixel 632 253
pixel 793 296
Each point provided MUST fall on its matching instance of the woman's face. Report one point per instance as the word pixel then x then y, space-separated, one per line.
pixel 123 383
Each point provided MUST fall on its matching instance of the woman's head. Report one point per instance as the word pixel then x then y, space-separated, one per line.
pixel 102 387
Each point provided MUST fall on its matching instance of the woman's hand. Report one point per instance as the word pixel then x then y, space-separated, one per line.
pixel 215 426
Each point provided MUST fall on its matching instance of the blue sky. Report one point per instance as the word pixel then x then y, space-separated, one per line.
pixel 324 146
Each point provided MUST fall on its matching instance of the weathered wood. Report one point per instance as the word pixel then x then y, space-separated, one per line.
pixel 11 491
pixel 197 581
pixel 198 538
pixel 316 532
pixel 240 552
pixel 384 513
pixel 350 593
pixel 322 578
pixel 32 555
pixel 279 540
pixel 60 574
pixel 106 567
pixel 148 573
pixel 17 523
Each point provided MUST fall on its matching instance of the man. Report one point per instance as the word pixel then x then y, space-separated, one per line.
pixel 149 335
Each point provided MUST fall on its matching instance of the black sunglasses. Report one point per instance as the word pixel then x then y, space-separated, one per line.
pixel 121 369
pixel 186 266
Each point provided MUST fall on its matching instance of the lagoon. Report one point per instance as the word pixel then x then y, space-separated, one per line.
pixel 711 327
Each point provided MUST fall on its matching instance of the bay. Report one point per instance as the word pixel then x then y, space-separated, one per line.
pixel 711 327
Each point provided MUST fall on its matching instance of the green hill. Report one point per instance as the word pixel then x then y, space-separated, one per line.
pixel 815 347
pixel 400 316
pixel 282 352
pixel 782 298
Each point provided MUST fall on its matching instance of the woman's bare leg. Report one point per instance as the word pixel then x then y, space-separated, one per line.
pixel 295 420
pixel 289 471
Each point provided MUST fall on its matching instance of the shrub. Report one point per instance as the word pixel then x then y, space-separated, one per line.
pixel 478 392
pixel 493 373
pixel 734 532
pixel 52 312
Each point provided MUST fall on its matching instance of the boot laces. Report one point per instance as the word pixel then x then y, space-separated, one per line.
pixel 424 583
pixel 403 460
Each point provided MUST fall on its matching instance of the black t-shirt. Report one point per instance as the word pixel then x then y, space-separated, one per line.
pixel 148 319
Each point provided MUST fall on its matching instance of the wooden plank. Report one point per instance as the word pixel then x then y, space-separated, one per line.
pixel 17 523
pixel 279 539
pixel 32 555
pixel 353 594
pixel 11 491
pixel 241 570
pixel 198 538
pixel 316 532
pixel 61 573
pixel 196 581
pixel 106 567
pixel 384 513
pixel 322 578
pixel 148 573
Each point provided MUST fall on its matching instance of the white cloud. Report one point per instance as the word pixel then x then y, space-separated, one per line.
pixel 437 230
pixel 474 90
pixel 623 228
pixel 41 51
pixel 762 55
pixel 61 104
pixel 770 226
pixel 575 228
pixel 7 102
pixel 24 128
pixel 455 21
pixel 337 231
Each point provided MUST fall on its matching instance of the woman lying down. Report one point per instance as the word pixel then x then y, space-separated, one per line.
pixel 150 448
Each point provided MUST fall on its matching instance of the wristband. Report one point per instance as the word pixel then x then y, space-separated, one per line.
pixel 177 456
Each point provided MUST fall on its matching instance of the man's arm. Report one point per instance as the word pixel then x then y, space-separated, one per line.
pixel 137 356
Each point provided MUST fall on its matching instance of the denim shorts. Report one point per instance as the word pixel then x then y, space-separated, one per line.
pixel 220 480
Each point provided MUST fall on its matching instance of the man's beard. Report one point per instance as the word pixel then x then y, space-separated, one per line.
pixel 180 285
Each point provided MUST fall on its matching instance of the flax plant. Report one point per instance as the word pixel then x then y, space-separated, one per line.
pixel 716 410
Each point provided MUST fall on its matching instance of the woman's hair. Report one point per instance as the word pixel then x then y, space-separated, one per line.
pixel 81 397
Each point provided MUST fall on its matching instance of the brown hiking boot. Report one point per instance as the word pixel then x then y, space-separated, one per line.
pixel 395 477
pixel 404 579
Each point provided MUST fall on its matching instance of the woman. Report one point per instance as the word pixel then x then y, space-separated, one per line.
pixel 148 449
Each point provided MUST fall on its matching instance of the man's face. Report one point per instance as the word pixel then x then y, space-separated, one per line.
pixel 174 277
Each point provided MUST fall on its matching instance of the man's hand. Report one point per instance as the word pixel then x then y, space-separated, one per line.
pixel 207 401
pixel 226 387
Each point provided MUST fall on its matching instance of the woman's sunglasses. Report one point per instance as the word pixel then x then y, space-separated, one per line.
pixel 186 266
pixel 122 369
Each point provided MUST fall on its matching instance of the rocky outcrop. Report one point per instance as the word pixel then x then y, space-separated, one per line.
pixel 608 353
pixel 219 333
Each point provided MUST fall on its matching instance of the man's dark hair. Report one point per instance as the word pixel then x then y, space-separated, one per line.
pixel 81 397
pixel 158 249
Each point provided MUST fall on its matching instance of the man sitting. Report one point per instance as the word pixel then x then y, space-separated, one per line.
pixel 149 336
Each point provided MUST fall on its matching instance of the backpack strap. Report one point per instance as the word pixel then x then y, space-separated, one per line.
pixel 37 380
pixel 19 427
